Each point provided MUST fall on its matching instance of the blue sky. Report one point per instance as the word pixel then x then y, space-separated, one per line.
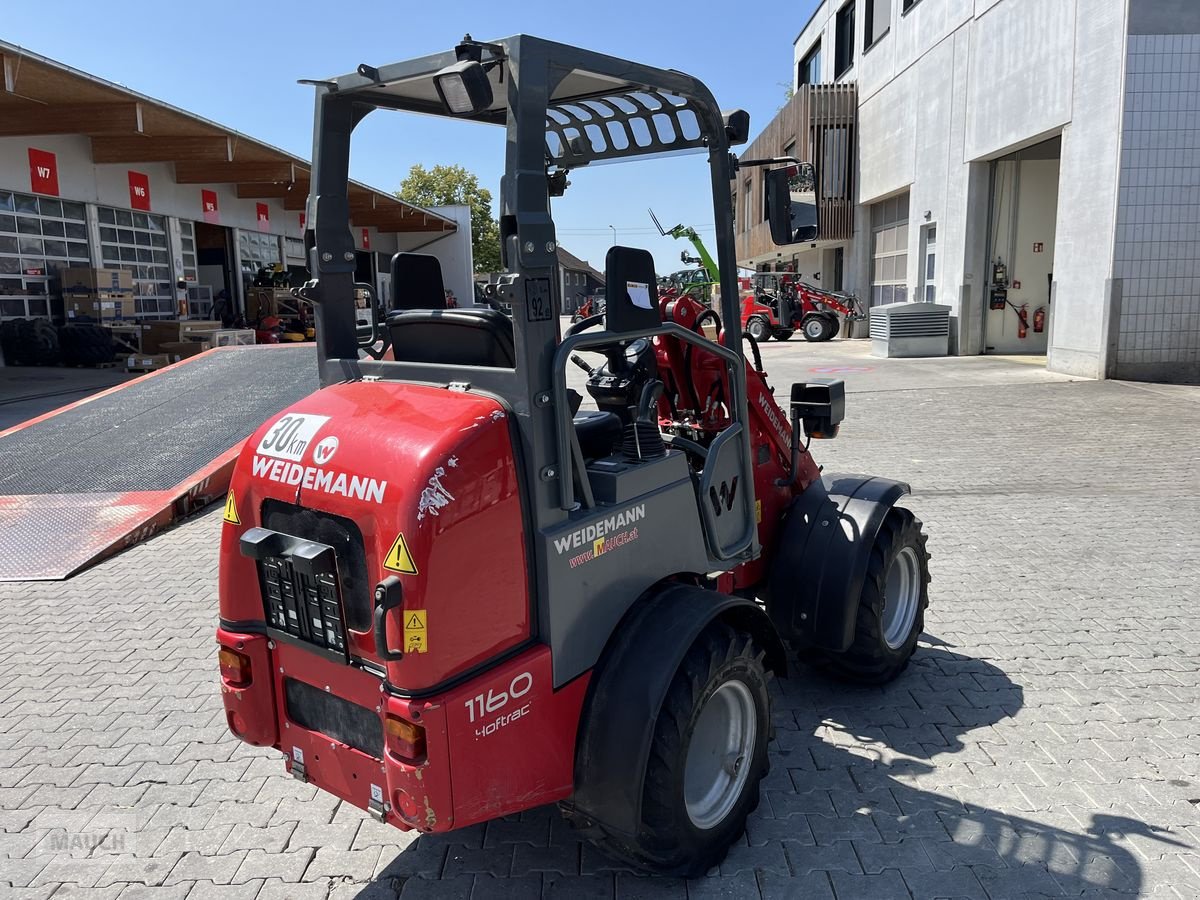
pixel 238 62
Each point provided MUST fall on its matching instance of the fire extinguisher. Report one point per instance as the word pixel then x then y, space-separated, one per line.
pixel 1022 320
pixel 1039 320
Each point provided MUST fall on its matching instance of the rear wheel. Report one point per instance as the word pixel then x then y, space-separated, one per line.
pixel 708 755
pixel 758 328
pixel 891 610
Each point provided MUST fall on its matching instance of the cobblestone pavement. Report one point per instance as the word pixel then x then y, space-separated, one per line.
pixel 1045 740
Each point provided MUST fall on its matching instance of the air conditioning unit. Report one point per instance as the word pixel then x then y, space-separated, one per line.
pixel 910 329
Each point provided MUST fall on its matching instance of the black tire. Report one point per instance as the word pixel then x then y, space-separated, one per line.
pixel 669 842
pixel 783 334
pixel 815 328
pixel 758 328
pixel 870 659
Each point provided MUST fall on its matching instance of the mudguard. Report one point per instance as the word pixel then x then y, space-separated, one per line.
pixel 816 577
pixel 627 690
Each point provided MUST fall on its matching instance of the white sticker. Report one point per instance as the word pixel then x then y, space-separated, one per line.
pixel 323 452
pixel 298 755
pixel 639 293
pixel 290 436
pixel 376 793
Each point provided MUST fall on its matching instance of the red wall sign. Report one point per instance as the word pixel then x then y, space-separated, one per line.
pixel 208 203
pixel 262 215
pixel 43 172
pixel 139 191
pixel 366 238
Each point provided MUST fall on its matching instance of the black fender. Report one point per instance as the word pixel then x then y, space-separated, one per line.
pixel 816 578
pixel 627 690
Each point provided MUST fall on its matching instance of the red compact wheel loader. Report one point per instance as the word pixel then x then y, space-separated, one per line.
pixel 449 594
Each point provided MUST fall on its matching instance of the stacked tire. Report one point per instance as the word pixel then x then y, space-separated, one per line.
pixel 85 345
pixel 30 342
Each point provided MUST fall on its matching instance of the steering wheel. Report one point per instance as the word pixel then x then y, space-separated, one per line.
pixel 584 324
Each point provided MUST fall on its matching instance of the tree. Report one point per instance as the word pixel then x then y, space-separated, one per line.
pixel 451 186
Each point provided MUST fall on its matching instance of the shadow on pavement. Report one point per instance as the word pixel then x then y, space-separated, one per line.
pixel 874 781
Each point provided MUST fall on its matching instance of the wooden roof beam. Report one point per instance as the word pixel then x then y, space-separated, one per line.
pixel 78 118
pixel 410 226
pixel 215 148
pixel 382 218
pixel 234 172
pixel 275 191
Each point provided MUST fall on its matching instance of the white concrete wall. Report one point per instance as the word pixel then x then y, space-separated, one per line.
pixel 957 83
pixel 454 253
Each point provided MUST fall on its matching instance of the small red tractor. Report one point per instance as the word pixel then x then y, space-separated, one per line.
pixel 449 594
pixel 779 304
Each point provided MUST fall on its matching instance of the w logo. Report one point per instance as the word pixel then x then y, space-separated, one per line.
pixel 723 497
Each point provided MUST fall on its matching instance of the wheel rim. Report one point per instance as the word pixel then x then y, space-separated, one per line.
pixel 814 328
pixel 757 330
pixel 720 754
pixel 901 597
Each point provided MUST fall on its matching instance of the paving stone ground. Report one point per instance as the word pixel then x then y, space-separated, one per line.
pixel 1045 740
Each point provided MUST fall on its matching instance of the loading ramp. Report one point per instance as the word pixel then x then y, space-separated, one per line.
pixel 97 476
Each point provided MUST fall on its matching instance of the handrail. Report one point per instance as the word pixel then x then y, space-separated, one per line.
pixel 562 435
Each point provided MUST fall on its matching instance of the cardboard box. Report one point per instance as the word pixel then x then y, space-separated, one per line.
pixel 101 308
pixel 232 337
pixel 91 281
pixel 183 349
pixel 148 361
pixel 155 334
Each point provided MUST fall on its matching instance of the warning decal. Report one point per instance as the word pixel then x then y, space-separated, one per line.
pixel 400 560
pixel 231 515
pixel 414 631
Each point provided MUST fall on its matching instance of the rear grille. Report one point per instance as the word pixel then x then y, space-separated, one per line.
pixel 351 724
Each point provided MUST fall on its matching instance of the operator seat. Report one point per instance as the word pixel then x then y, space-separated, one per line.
pixel 423 330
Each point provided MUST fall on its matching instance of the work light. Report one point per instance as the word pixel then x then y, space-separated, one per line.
pixel 464 87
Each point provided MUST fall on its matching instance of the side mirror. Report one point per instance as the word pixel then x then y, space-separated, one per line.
pixel 366 314
pixel 792 205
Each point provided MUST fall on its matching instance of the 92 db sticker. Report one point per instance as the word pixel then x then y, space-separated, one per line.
pixel 290 436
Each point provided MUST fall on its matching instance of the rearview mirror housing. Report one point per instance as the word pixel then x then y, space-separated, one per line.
pixel 792 205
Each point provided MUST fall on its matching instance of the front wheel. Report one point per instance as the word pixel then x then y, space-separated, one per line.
pixel 708 755
pixel 758 329
pixel 891 609
pixel 816 328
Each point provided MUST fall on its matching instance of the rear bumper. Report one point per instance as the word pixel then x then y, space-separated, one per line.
pixel 509 736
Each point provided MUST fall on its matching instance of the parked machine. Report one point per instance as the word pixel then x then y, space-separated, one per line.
pixel 448 594
pixel 781 303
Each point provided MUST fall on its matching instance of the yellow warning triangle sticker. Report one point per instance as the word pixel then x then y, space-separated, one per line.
pixel 231 515
pixel 416 619
pixel 399 559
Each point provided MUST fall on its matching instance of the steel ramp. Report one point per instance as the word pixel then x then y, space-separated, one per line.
pixel 97 476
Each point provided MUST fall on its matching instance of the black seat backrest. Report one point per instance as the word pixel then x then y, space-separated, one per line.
pixel 454 337
pixel 631 290
pixel 417 282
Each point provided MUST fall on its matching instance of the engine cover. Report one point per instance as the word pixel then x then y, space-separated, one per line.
pixel 400 479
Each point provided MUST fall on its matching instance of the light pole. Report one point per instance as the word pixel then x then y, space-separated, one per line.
pixel 614 231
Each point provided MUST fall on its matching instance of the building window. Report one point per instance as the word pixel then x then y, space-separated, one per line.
pixel 843 50
pixel 889 251
pixel 908 4
pixel 809 70
pixel 38 236
pixel 258 251
pixel 929 268
pixel 137 241
pixel 749 210
pixel 877 22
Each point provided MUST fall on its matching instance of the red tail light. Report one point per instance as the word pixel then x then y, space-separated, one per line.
pixel 235 668
pixel 404 739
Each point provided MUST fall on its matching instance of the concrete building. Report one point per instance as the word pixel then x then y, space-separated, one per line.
pixel 93 174
pixel 1035 164
pixel 578 280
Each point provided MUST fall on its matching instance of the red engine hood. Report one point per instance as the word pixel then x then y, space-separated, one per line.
pixel 427 475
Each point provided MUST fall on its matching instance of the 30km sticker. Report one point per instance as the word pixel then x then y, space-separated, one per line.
pixel 290 436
